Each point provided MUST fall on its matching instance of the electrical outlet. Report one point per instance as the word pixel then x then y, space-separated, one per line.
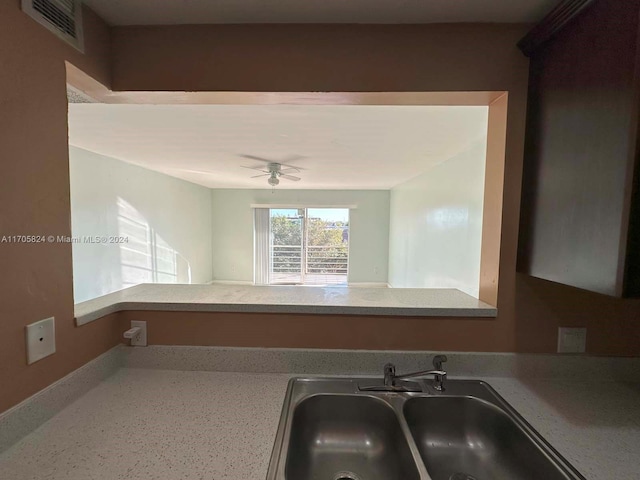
pixel 139 340
pixel 41 339
pixel 572 340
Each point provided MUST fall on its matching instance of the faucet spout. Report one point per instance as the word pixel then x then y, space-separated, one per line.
pixel 440 376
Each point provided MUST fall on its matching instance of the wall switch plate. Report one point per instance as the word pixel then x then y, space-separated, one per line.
pixel 41 339
pixel 572 340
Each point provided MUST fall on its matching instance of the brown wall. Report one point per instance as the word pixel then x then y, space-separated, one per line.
pixel 312 331
pixel 362 332
pixel 34 198
pixel 306 58
pixel 37 279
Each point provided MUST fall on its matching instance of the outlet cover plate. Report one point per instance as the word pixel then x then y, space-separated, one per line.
pixel 139 340
pixel 572 340
pixel 41 339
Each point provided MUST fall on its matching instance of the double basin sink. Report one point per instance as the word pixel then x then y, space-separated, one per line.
pixel 343 429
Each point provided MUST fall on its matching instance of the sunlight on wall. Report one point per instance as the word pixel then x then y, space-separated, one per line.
pixel 157 228
pixel 147 257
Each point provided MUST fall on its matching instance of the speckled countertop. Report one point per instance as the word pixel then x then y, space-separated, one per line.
pixel 425 302
pixel 161 424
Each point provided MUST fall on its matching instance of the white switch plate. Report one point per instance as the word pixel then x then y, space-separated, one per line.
pixel 41 340
pixel 572 340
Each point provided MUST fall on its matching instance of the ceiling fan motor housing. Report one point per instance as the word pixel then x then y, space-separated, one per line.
pixel 274 171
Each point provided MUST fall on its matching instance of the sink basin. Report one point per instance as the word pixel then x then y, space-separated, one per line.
pixel 472 438
pixel 341 437
pixel 342 429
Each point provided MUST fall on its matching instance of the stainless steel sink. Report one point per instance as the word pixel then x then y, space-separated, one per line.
pixel 339 429
pixel 338 437
pixel 473 438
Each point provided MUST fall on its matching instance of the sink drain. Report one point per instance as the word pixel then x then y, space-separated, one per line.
pixel 346 476
pixel 462 476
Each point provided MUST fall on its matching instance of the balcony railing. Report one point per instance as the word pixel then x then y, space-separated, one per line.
pixel 325 260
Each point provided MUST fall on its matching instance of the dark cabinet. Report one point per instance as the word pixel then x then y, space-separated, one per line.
pixel 580 201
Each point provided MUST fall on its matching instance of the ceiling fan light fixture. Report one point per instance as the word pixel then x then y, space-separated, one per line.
pixel 273 170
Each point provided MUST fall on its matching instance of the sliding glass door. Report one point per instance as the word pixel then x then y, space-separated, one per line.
pixel 308 246
pixel 327 246
pixel 286 256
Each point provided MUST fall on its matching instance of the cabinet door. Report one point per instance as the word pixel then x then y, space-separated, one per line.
pixel 580 152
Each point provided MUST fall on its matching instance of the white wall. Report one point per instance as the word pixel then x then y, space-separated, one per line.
pixel 436 225
pixel 167 222
pixel 233 229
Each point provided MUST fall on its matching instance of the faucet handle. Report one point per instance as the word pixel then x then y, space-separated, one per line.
pixel 438 360
pixel 389 374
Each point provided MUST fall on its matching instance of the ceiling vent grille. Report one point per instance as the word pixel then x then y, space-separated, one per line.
pixel 62 17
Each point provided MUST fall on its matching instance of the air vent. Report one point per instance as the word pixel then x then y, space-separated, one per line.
pixel 62 17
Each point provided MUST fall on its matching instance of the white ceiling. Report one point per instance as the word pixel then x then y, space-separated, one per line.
pixel 336 147
pixel 172 12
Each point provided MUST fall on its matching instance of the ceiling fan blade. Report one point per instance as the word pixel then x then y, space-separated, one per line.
pixel 259 169
pixel 290 170
pixel 260 159
pixel 263 175
pixel 290 158
pixel 290 177
pixel 299 169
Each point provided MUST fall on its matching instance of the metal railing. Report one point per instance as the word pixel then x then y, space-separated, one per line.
pixel 325 259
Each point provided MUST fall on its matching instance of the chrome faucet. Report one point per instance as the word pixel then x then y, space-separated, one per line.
pixel 440 376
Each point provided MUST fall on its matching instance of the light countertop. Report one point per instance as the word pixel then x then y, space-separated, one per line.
pixel 162 424
pixel 423 302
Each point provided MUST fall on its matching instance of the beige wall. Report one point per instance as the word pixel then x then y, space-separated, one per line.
pixel 37 279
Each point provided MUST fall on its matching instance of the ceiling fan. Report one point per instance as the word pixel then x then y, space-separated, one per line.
pixel 274 170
